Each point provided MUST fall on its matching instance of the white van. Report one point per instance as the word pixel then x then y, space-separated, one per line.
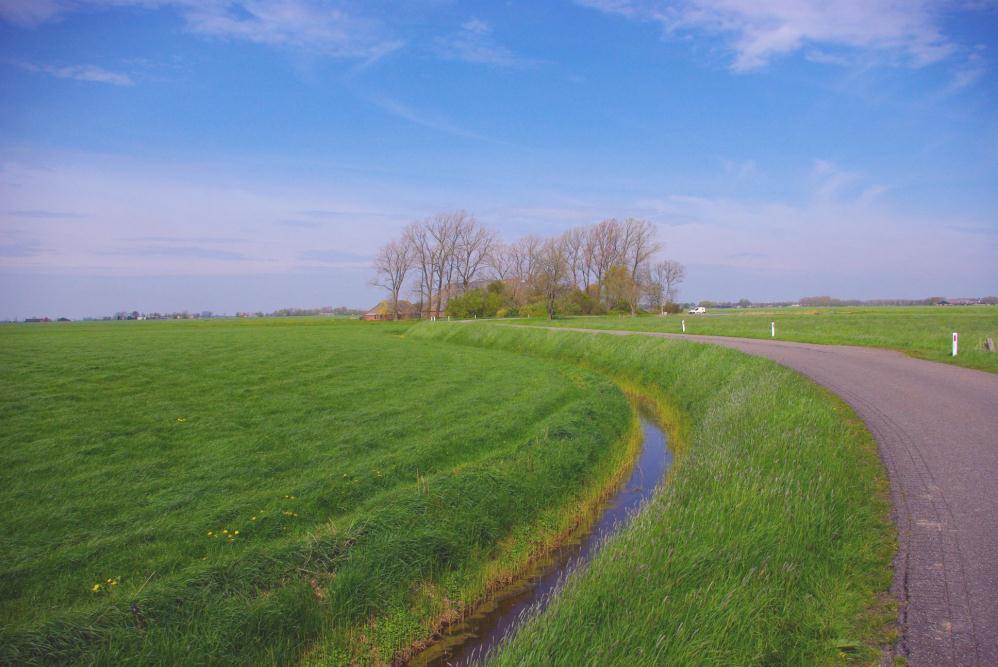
pixel 699 310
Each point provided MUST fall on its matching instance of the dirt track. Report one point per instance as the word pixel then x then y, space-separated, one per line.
pixel 937 430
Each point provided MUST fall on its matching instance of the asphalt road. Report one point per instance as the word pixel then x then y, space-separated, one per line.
pixel 936 427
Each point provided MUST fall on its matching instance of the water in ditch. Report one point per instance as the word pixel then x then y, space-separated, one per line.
pixel 465 642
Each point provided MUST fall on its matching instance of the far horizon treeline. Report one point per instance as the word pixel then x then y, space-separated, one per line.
pixel 454 265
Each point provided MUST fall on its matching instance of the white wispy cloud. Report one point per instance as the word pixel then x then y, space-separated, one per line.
pixel 321 27
pixel 327 27
pixel 757 32
pixel 474 43
pixel 29 13
pixel 396 108
pixel 80 73
pixel 969 72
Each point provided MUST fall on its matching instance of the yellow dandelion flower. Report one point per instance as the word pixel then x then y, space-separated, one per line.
pixel 95 588
pixel 236 533
pixel 253 518
pixel 211 534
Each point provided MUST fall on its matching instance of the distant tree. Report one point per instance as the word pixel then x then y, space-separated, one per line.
pixel 605 248
pixel 472 250
pixel 667 275
pixel 813 301
pixel 417 238
pixel 638 244
pixel 744 303
pixel 619 289
pixel 500 261
pixel 483 302
pixel 524 256
pixel 574 241
pixel 392 265
pixel 551 273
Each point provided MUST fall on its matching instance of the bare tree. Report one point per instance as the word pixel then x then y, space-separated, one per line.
pixel 444 230
pixel 637 245
pixel 417 237
pixel 667 275
pixel 653 290
pixel 500 261
pixel 523 259
pixel 551 272
pixel 574 241
pixel 449 251
pixel 606 246
pixel 391 266
pixel 588 258
pixel 473 249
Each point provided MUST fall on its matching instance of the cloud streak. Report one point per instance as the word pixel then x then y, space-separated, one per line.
pixel 178 251
pixel 403 111
pixel 758 32
pixel 91 73
pixel 325 27
pixel 474 43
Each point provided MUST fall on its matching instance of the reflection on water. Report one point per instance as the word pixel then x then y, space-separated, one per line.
pixel 466 641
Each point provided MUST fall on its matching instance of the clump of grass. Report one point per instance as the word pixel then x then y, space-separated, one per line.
pixel 923 332
pixel 770 544
pixel 272 492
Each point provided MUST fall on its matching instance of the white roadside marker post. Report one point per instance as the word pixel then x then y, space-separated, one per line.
pixel 684 326
pixel 955 338
pixel 772 329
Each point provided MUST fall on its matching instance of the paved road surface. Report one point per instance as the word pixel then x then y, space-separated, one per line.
pixel 937 430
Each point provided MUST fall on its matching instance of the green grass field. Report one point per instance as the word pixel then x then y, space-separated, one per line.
pixel 923 332
pixel 275 491
pixel 769 545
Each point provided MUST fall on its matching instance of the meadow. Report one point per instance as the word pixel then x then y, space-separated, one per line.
pixel 276 491
pixel 770 543
pixel 923 332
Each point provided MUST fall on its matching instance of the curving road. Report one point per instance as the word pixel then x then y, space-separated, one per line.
pixel 937 430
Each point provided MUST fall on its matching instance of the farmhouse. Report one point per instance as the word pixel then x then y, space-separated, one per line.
pixel 383 311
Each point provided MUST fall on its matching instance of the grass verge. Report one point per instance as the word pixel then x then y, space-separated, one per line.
pixel 771 542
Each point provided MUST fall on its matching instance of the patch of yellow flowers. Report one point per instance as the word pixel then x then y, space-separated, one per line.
pixel 229 536
pixel 106 586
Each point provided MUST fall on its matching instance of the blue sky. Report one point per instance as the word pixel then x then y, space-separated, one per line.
pixel 228 155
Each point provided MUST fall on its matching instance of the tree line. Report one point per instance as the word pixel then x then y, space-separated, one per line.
pixel 454 265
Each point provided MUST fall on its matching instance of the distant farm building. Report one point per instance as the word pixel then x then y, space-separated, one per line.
pixel 383 311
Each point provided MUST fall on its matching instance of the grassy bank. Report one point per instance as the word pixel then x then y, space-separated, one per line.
pixel 273 491
pixel 923 332
pixel 770 544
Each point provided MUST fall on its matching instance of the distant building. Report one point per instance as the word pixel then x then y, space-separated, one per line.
pixel 959 302
pixel 383 311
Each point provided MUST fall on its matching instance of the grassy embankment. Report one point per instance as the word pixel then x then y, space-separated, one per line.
pixel 771 542
pixel 923 332
pixel 270 491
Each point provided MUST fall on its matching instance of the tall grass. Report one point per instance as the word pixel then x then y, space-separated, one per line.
pixel 771 542
pixel 923 332
pixel 374 482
